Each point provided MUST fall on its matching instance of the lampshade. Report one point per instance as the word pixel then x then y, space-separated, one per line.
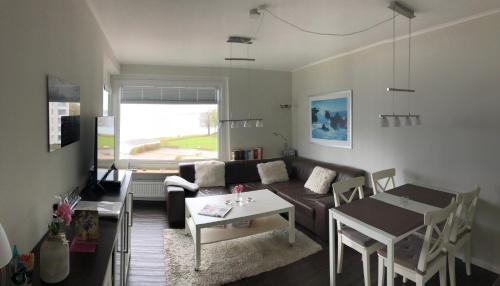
pixel 259 124
pixel 5 251
pixel 384 122
pixel 247 124
pixel 408 121
pixel 417 120
pixel 397 121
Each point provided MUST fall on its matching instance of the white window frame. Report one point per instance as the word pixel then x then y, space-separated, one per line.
pixel 118 81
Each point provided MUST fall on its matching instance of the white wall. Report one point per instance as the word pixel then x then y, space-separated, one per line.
pixel 40 37
pixel 456 75
pixel 268 90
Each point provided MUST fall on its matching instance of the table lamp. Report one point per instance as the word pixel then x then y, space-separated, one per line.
pixel 5 250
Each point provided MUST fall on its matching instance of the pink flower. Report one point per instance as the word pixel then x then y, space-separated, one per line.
pixel 238 189
pixel 64 212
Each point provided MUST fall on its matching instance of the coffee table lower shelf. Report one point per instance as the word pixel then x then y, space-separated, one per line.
pixel 258 225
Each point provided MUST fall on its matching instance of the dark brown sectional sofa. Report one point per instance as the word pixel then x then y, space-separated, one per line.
pixel 311 209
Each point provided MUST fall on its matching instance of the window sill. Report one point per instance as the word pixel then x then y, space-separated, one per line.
pixel 152 174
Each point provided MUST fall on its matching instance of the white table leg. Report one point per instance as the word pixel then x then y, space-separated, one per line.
pixel 186 215
pixel 197 249
pixel 332 249
pixel 390 264
pixel 291 228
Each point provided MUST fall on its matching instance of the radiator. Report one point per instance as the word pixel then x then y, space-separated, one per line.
pixel 148 190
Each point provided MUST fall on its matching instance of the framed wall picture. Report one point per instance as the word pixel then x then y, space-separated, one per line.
pixel 331 119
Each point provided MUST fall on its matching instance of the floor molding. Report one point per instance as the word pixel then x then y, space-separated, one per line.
pixel 481 263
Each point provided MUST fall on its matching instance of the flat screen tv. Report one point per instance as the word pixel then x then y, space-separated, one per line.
pixel 63 112
pixel 104 161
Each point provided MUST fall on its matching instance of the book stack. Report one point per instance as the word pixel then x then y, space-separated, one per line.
pixel 247 154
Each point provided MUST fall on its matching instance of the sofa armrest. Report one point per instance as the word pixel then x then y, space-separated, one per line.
pixel 321 207
pixel 175 206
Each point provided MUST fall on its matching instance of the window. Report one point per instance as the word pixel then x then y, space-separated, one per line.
pixel 169 123
pixel 105 102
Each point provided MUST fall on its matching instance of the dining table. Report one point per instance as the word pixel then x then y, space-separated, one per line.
pixel 387 217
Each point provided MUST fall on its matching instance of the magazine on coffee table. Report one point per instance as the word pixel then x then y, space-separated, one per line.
pixel 215 210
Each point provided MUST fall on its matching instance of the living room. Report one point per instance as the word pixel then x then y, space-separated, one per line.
pixel 246 83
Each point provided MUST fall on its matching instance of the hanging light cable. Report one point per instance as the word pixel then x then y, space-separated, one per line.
pixel 393 60
pixel 297 27
pixel 407 119
pixel 248 123
pixel 234 124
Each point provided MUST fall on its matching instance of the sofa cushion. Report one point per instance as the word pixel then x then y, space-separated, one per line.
pixel 243 171
pixel 212 191
pixel 301 169
pixel 272 172
pixel 248 187
pixel 210 173
pixel 320 180
pixel 287 185
pixel 302 198
pixel 301 206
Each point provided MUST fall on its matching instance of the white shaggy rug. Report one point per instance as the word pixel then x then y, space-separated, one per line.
pixel 228 261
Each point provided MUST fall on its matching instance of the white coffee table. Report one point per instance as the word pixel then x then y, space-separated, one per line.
pixel 264 212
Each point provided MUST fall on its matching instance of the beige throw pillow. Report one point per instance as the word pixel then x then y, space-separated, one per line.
pixel 209 174
pixel 272 172
pixel 320 179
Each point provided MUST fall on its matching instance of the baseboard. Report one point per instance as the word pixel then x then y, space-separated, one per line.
pixel 481 263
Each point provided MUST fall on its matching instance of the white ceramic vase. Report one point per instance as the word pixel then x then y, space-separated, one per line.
pixel 54 259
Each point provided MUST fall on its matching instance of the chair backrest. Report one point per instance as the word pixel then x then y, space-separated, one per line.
pixel 342 187
pixel 437 233
pixel 466 211
pixel 385 175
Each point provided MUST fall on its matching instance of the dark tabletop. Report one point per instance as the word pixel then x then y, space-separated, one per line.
pixel 90 268
pixel 423 195
pixel 393 219
pixel 386 217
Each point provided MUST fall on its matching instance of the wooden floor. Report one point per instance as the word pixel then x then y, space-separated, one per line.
pixel 148 268
pixel 147 262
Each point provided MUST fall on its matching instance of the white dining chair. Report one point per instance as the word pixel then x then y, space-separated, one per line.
pixel 460 236
pixel 419 259
pixel 349 236
pixel 383 180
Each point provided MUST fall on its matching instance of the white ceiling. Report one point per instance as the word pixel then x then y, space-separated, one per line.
pixel 194 32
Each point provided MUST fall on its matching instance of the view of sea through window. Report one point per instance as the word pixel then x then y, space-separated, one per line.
pixel 168 132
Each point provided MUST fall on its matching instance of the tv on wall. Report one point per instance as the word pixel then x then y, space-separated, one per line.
pixel 63 112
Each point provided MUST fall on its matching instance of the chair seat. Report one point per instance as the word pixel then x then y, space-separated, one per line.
pixel 407 253
pixel 357 236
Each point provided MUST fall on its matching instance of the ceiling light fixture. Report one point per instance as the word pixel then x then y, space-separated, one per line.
pixel 249 121
pixel 399 8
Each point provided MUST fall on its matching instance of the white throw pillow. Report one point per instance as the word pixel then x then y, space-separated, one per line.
pixel 209 174
pixel 181 182
pixel 272 172
pixel 320 179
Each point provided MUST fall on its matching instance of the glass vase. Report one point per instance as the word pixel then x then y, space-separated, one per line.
pixel 239 198
pixel 54 258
